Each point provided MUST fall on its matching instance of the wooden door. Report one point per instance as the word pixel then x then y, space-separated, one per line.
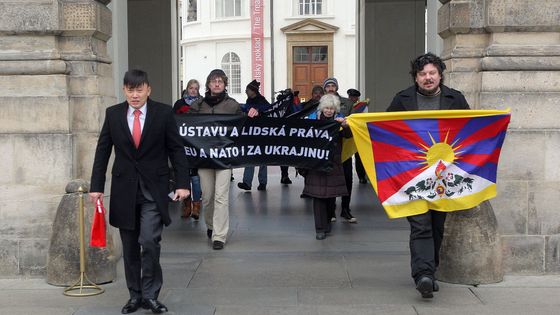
pixel 310 67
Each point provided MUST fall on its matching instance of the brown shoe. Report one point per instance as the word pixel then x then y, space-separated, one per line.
pixel 186 208
pixel 196 209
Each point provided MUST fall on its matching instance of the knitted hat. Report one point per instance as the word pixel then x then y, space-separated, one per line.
pixel 353 92
pixel 254 86
pixel 330 80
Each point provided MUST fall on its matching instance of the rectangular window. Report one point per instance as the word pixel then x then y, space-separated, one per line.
pixel 319 54
pixel 310 7
pixel 311 54
pixel 192 11
pixel 301 55
pixel 228 8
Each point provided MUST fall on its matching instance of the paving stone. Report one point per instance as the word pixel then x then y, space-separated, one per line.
pixel 319 310
pixel 385 295
pixel 234 296
pixel 519 296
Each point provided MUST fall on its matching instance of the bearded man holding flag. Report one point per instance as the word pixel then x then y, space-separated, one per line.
pixel 426 229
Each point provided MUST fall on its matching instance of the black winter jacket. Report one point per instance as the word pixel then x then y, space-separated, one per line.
pixel 405 100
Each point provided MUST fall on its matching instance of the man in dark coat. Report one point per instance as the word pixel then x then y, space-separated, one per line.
pixel 257 102
pixel 426 230
pixel 144 136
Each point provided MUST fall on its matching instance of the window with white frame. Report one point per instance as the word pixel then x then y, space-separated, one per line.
pixel 231 64
pixel 228 8
pixel 192 11
pixel 310 7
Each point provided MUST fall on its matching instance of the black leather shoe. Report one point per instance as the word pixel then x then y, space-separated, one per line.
pixel 261 187
pixel 217 245
pixel 154 305
pixel 426 287
pixel 436 286
pixel 209 233
pixel 320 236
pixel 285 180
pixel 131 306
pixel 244 186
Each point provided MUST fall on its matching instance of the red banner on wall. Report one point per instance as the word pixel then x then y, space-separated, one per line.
pixel 257 42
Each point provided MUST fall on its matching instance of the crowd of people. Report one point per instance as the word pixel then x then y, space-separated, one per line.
pixel 148 139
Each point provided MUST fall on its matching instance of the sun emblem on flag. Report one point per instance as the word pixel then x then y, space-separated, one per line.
pixel 439 151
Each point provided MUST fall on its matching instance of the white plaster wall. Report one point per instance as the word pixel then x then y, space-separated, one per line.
pixel 207 40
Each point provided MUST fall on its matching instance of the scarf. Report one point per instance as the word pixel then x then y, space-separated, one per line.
pixel 214 99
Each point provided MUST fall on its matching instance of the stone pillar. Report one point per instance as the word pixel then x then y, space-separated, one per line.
pixel 471 252
pixel 63 263
pixel 506 54
pixel 56 80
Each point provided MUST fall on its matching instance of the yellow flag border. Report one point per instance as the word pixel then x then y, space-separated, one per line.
pixel 361 143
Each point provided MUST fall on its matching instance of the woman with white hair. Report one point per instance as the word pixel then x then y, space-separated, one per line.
pixel 323 186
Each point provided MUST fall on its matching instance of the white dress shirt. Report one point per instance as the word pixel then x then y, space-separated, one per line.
pixel 130 117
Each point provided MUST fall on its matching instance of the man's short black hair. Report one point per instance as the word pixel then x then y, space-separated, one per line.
pixel 419 63
pixel 135 78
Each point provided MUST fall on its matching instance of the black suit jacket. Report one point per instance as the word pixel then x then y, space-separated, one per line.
pixel 160 142
pixel 406 100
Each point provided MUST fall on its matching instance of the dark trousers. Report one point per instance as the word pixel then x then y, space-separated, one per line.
pixel 347 166
pixel 322 207
pixel 360 171
pixel 426 235
pixel 284 171
pixel 141 251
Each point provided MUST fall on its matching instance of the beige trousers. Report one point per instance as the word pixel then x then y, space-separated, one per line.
pixel 215 201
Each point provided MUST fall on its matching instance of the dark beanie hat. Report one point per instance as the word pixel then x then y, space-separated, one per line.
pixel 254 86
pixel 330 80
pixel 353 92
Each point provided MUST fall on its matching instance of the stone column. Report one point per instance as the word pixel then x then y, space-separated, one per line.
pixel 506 54
pixel 56 79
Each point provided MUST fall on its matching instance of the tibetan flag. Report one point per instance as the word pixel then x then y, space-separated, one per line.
pixel 360 106
pixel 444 160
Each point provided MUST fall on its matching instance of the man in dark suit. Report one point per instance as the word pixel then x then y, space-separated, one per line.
pixel 144 136
pixel 426 230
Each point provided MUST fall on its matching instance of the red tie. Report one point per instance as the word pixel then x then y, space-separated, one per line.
pixel 136 128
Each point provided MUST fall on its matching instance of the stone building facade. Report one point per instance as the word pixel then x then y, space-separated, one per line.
pixel 506 54
pixel 55 81
pixel 56 78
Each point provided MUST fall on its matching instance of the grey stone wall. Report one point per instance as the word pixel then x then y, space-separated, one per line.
pixel 56 79
pixel 506 54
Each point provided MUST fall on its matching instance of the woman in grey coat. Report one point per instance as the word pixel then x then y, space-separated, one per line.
pixel 322 186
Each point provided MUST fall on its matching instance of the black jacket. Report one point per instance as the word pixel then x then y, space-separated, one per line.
pixel 258 102
pixel 159 143
pixel 406 100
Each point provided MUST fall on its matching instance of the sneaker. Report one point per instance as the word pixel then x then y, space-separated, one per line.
pixel 320 236
pixel 217 245
pixel 426 287
pixel 285 180
pixel 345 213
pixel 244 186
pixel 333 219
pixel 261 187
